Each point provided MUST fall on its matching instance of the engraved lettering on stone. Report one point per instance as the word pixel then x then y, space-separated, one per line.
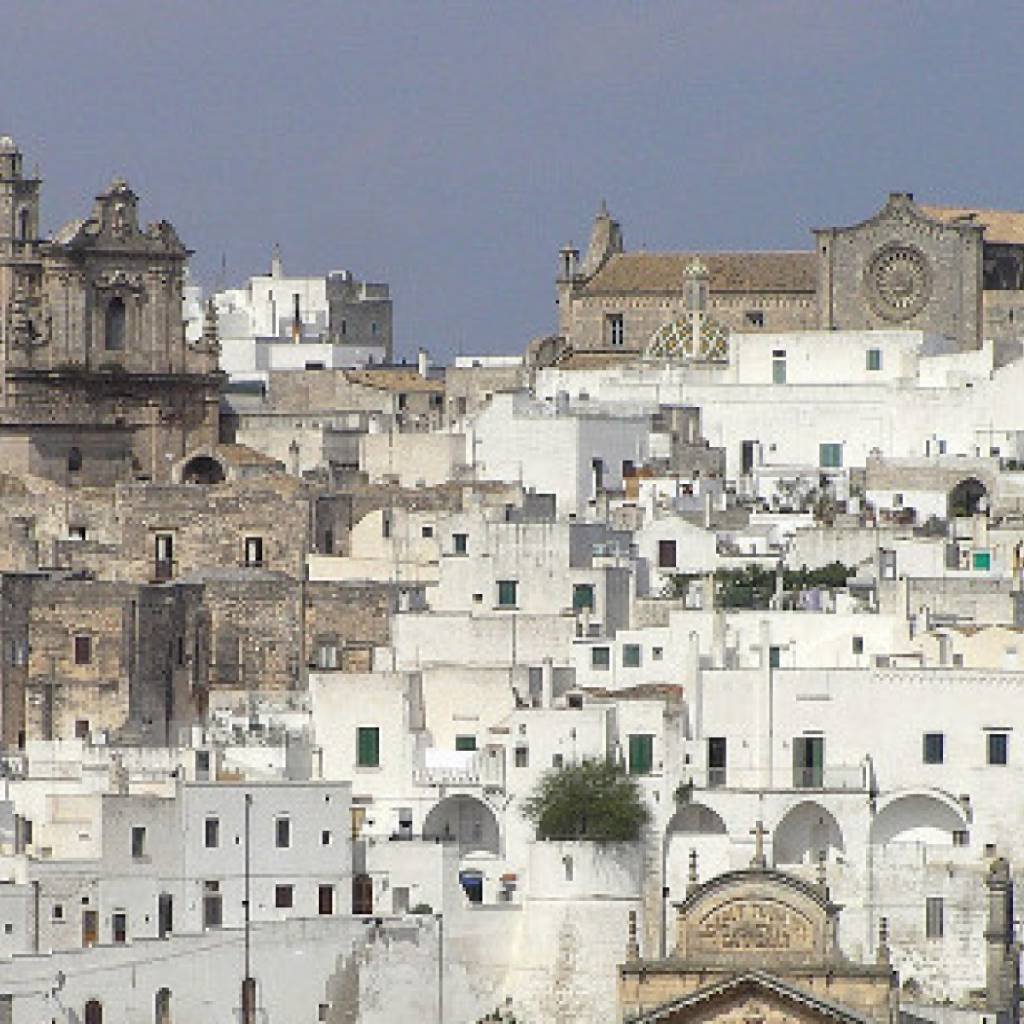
pixel 742 926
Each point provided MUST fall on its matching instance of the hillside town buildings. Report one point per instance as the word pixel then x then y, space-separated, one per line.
pixel 288 637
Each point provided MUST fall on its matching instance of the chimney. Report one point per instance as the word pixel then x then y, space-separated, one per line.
pixel 275 261
pixel 422 362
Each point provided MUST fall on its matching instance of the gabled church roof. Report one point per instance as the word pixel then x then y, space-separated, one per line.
pixel 665 273
pixel 666 1013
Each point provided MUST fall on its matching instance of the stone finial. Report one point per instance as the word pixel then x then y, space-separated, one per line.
pixel 211 333
pixel 759 861
pixel 882 954
pixel 632 944
pixel 692 880
pixel 822 872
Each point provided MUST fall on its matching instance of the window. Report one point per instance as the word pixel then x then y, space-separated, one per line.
pixel 774 657
pixel 460 543
pixel 666 554
pixel 163 545
pixel 427 532
pixel 253 550
pixel 94 1012
pixel 754 318
pixel 368 746
pixel 283 833
pixel 211 833
pixel 830 456
pixel 327 655
pixel 600 658
pixel 115 321
pixel 507 593
pixel 403 401
pixel 982 560
pixel 522 757
pixel 858 645
pixel 213 916
pixel 557 760
pixel 582 596
pixel 83 650
pixel 138 841
pixel 657 653
pixel 81 728
pixel 716 761
pixel 641 754
pixel 808 762
pixel 998 747
pixel 119 927
pixel 630 655
pixel 57 913
pixel 933 913
pixel 283 896
pixel 465 743
pixel 961 837
pixel 325 837
pixel 887 563
pixel 615 329
pixel 933 752
pixel 874 358
pixel 202 765
pixel 325 900
pixel 75 460
pixel 779 366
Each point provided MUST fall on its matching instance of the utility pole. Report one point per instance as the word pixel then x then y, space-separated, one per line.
pixel 248 982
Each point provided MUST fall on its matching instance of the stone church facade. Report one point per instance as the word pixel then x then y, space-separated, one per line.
pixel 956 274
pixel 99 383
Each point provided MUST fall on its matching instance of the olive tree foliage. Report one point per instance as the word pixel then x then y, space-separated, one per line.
pixel 594 800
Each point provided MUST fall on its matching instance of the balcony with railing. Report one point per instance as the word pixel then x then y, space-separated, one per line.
pixel 438 766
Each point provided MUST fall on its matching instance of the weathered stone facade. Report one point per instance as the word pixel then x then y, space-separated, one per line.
pixel 100 384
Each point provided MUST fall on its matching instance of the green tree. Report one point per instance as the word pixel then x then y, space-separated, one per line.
pixel 594 800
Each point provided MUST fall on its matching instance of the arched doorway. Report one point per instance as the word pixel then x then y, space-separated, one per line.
pixel 162 1007
pixel 804 833
pixel 93 1012
pixel 202 470
pixel 464 820
pixel 968 497
pixel 115 325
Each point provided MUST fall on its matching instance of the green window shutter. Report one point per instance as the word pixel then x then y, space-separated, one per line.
pixel 630 655
pixel 368 747
pixel 641 754
pixel 982 560
pixel 830 456
pixel 465 743
pixel 583 596
pixel 507 593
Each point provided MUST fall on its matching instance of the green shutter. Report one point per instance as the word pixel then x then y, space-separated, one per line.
pixel 507 593
pixel 641 754
pixel 465 743
pixel 368 747
pixel 583 596
pixel 982 560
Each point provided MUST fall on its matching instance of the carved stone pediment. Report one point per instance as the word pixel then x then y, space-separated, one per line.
pixel 757 924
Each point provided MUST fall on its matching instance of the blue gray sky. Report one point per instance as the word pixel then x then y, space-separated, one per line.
pixel 451 148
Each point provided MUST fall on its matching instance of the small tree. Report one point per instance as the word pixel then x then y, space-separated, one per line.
pixel 594 800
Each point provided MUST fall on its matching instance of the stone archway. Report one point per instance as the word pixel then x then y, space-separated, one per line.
pixel 695 829
pixel 202 469
pixel 928 818
pixel 967 497
pixel 804 832
pixel 464 820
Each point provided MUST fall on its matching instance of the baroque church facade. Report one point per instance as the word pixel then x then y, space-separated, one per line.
pixel 99 382
pixel 955 274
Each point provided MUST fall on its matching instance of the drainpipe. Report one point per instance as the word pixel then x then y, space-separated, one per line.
pixel 35 915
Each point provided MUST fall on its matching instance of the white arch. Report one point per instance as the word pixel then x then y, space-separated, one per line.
pixel 465 820
pixel 804 832
pixel 917 816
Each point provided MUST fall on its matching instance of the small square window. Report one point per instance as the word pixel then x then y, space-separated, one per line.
pixel 934 743
pixel 754 318
pixel 961 837
pixel 465 743
pixel 58 912
pixel 830 456
pixel 998 744
pixel 427 531
pixel 630 655
pixel 982 560
pixel 583 596
pixel 284 896
pixel 325 837
pixel 522 757
pixel 600 658
pixel 507 593
pixel 81 728
pixel 557 760
pixel 657 653
pixel 460 543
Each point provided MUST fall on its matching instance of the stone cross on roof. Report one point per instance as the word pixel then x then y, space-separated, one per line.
pixel 759 860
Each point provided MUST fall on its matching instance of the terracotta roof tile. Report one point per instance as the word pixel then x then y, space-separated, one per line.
pixel 1006 226
pixel 662 273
